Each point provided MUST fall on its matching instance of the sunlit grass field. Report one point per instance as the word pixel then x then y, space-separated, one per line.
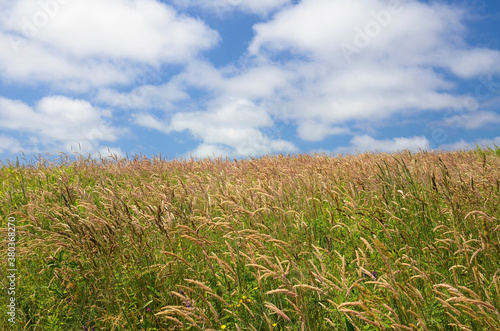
pixel 368 242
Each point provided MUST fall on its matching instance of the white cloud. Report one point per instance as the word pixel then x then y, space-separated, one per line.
pixel 58 122
pixel 368 59
pixel 81 43
pixel 366 143
pixel 150 122
pixel 259 82
pixel 462 144
pixel 370 92
pixel 210 150
pixel 230 122
pixel 256 83
pixel 261 7
pixel 231 125
pixel 9 145
pixel 471 63
pixel 317 131
pixel 311 27
pixel 143 97
pixel 236 114
pixel 472 120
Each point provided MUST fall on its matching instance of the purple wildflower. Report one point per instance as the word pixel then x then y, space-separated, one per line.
pixel 188 304
pixel 373 275
pixel 148 310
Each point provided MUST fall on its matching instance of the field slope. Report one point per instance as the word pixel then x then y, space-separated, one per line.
pixel 368 242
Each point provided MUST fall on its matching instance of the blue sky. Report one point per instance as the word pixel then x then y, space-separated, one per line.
pixel 243 78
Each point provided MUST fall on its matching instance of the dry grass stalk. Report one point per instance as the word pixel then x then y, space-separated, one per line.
pixel 277 311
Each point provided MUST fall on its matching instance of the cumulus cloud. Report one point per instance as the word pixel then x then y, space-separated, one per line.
pixel 317 131
pixel 82 43
pixel 229 126
pixel 367 143
pixel 144 97
pixel 196 74
pixel 472 120
pixel 369 59
pixel 58 122
pixel 471 63
pixel 256 83
pixel 151 122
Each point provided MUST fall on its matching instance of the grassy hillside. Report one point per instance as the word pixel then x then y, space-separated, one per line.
pixel 369 242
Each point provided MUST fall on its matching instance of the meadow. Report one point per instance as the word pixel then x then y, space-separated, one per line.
pixel 404 241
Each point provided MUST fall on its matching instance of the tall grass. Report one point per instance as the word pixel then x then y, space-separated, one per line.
pixel 368 242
